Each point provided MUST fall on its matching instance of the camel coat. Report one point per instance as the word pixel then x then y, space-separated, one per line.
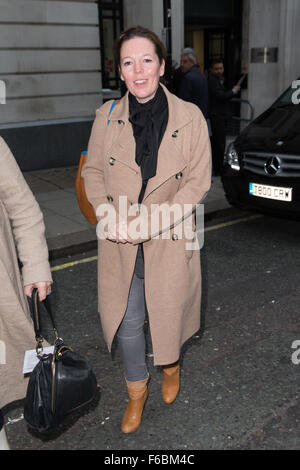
pixel 172 273
pixel 21 223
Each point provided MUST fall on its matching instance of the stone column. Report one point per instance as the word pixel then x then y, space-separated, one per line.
pixel 147 13
pixel 157 17
pixel 289 50
pixel 177 9
pixel 264 31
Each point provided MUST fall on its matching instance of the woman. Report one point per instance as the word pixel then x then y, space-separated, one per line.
pixel 152 148
pixel 21 222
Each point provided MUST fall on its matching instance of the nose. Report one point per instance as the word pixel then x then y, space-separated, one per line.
pixel 138 67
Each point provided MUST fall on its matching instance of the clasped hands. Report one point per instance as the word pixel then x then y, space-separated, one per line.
pixel 119 233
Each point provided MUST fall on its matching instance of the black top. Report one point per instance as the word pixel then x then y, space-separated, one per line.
pixel 219 97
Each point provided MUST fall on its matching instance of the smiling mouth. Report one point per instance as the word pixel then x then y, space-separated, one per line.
pixel 139 82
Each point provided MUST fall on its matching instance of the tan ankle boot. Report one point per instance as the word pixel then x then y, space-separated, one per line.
pixel 138 393
pixel 171 383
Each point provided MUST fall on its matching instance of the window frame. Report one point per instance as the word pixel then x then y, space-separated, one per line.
pixel 116 9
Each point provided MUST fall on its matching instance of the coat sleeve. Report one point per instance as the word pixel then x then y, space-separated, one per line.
pixel 192 193
pixel 93 170
pixel 26 219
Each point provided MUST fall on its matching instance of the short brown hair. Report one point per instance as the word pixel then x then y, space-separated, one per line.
pixel 216 61
pixel 141 32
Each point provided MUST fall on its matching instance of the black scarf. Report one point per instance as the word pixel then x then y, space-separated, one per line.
pixel 149 121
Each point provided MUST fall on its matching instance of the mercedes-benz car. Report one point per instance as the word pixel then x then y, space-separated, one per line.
pixel 262 165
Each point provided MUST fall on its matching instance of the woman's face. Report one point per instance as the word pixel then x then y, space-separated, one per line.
pixel 140 68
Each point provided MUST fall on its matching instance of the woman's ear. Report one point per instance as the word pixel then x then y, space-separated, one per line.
pixel 162 68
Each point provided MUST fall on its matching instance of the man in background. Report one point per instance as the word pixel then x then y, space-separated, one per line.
pixel 219 112
pixel 193 84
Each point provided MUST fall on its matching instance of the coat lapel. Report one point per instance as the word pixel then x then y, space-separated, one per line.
pixel 123 149
pixel 170 155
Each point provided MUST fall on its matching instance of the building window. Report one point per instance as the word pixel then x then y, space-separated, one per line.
pixel 110 26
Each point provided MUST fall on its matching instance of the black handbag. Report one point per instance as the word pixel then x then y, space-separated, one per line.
pixel 60 383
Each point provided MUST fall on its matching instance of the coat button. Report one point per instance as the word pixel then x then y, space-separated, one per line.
pixel 175 134
pixel 178 176
pixel 109 198
pixel 112 161
pixel 174 237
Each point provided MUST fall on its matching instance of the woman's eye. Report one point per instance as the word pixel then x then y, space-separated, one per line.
pixel 127 63
pixel 148 60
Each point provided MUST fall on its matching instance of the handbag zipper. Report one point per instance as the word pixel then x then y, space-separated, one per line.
pixel 53 368
pixel 39 339
pixel 36 312
pixel 82 404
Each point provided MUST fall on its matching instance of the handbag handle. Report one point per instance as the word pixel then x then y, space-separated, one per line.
pixel 35 310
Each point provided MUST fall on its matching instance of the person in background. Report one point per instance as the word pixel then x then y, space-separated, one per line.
pixel 21 224
pixel 193 84
pixel 219 112
pixel 154 152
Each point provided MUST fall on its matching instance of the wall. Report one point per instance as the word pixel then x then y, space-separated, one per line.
pixel 270 23
pixel 50 63
pixel 49 59
pixel 264 23
pixel 289 51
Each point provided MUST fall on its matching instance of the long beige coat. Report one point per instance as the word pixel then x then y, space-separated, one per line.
pixel 172 273
pixel 21 222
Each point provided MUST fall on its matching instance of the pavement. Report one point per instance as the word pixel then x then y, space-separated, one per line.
pixel 67 230
pixel 239 372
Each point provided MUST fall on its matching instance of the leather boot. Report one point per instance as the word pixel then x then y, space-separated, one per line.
pixel 171 383
pixel 138 393
pixel 3 440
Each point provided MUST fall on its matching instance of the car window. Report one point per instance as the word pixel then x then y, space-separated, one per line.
pixel 288 97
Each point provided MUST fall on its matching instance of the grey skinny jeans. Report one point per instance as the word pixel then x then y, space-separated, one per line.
pixel 131 336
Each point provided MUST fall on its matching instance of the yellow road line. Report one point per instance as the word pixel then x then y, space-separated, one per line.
pixel 74 263
pixel 208 229
pixel 232 222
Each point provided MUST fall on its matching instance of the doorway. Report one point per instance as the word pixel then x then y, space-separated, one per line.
pixel 214 31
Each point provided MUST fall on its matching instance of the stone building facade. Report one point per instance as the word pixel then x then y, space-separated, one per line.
pixel 56 63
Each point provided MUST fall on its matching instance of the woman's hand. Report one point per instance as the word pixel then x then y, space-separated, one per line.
pixel 119 233
pixel 43 288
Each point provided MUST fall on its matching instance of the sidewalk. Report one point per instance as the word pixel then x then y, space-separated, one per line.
pixel 67 231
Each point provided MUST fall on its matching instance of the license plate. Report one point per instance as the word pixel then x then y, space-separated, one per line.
pixel 270 192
